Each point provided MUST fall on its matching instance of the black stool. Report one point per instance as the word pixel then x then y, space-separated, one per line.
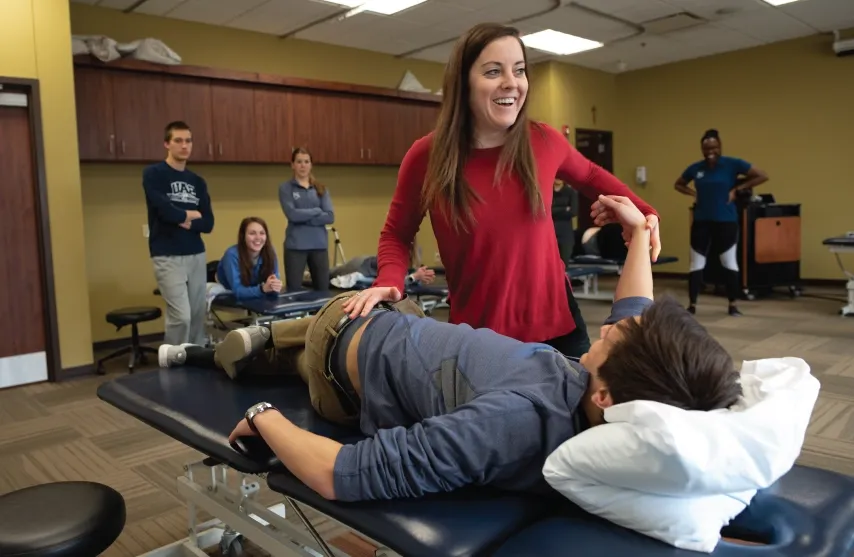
pixel 133 317
pixel 62 519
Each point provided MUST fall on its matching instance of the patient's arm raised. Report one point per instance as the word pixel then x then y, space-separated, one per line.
pixel 636 276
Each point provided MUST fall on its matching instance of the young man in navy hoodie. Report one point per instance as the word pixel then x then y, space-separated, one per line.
pixel 179 212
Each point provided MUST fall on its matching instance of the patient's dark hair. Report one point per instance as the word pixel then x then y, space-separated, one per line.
pixel 669 357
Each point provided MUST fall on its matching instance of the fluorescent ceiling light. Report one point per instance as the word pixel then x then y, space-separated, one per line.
pixel 556 42
pixel 383 7
pixel 779 2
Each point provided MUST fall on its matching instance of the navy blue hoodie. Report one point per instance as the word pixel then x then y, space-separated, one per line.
pixel 169 194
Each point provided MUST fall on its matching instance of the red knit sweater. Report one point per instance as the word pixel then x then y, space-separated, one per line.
pixel 506 274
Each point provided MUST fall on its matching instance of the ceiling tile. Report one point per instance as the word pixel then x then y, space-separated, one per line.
pixel 580 23
pixel 432 13
pixel 90 2
pixel 647 11
pixel 277 17
pixel 213 12
pixel 766 25
pixel 436 54
pixel 823 15
pixel 712 39
pixel 158 7
pixel 115 4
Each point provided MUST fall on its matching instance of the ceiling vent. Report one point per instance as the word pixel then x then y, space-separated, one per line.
pixel 675 22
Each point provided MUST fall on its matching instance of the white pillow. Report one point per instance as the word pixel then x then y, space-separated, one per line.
pixel 680 476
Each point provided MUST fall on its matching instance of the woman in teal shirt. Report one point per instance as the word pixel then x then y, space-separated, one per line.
pixel 250 268
pixel 717 180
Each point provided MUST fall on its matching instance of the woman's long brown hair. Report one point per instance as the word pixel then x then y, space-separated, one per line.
pixel 268 254
pixel 321 189
pixel 444 184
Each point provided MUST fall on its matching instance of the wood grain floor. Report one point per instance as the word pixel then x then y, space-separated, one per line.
pixel 54 432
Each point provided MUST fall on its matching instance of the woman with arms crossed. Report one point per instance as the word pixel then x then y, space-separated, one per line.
pixel 715 224
pixel 308 208
pixel 485 176
pixel 250 268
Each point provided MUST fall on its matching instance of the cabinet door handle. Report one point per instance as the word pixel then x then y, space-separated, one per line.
pixel 210 149
pixel 362 153
pixel 220 148
pixel 112 144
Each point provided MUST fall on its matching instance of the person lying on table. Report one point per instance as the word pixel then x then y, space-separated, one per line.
pixel 445 405
pixel 366 265
pixel 250 268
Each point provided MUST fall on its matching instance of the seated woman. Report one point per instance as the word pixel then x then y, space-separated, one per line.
pixel 250 268
pixel 602 241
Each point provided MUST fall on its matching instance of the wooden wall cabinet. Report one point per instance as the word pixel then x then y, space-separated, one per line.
pixel 121 114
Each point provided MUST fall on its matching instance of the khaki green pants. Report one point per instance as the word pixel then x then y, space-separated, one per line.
pixel 303 345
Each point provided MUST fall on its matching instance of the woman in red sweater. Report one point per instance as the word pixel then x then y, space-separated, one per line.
pixel 485 177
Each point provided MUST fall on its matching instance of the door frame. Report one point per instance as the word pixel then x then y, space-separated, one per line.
pixel 30 87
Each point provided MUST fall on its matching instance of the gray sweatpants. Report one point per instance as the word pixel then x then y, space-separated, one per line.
pixel 182 280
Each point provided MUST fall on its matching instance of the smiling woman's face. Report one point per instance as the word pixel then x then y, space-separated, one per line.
pixel 499 85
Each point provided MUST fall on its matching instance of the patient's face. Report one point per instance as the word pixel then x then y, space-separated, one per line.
pixel 598 397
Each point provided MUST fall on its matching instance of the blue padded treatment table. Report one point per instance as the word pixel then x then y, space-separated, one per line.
pixel 200 407
pixel 282 306
pixel 837 245
pixel 808 513
pixel 841 241
pixel 468 522
pixel 601 261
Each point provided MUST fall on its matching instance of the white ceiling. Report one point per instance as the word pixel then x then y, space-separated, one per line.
pixel 726 24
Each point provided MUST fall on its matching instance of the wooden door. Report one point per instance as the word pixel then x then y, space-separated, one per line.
pixel 233 119
pixel 93 97
pixel 138 102
pixel 189 100
pixel 23 340
pixel 274 137
pixel 597 146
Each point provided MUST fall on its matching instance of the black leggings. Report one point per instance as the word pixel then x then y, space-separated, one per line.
pixel 713 238
pixel 577 342
pixel 318 267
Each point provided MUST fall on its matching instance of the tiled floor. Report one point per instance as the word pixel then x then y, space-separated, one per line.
pixel 51 432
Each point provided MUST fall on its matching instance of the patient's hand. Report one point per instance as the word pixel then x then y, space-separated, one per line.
pixel 425 275
pixel 242 429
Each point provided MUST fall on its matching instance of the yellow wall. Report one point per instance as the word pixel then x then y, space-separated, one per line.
pixel 782 107
pixel 35 43
pixel 119 269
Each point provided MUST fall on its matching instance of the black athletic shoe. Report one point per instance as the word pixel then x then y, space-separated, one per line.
pixel 692 309
pixel 734 311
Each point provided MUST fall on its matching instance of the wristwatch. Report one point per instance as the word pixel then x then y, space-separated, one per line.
pixel 256 409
